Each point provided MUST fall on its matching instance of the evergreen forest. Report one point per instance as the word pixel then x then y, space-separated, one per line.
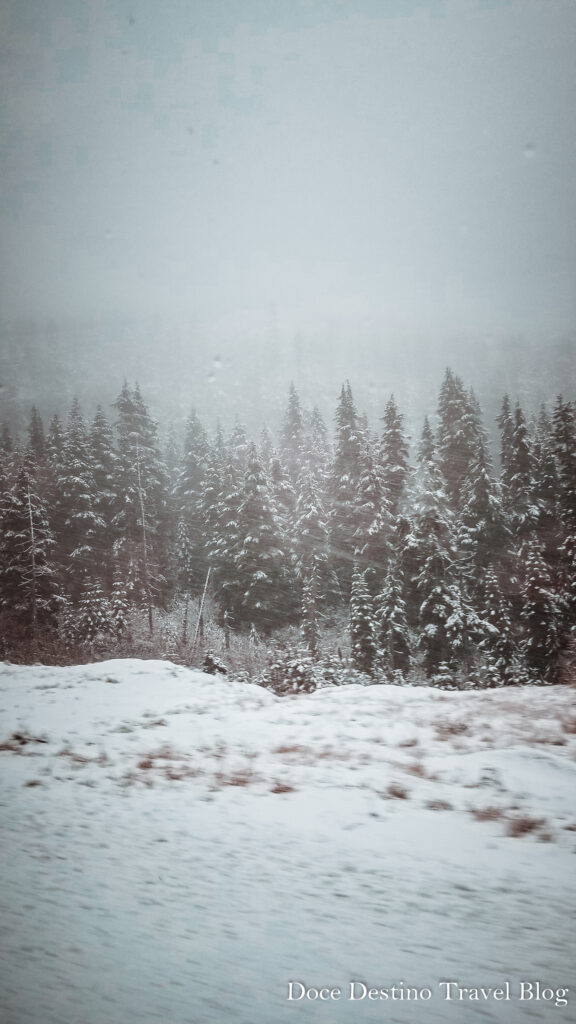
pixel 317 555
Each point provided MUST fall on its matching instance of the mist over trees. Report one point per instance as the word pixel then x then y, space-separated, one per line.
pixel 343 553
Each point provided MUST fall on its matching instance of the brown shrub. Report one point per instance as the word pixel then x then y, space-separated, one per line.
pixel 439 805
pixel 522 824
pixel 397 792
pixel 18 740
pixel 445 729
pixel 418 769
pixel 489 813
pixel 282 787
pixel 239 778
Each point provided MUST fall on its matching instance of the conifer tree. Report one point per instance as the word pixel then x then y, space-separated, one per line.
pixel 292 435
pixel 393 633
pixel 444 616
pixel 119 605
pixel 482 529
pixel 372 536
pixel 140 523
pixel 92 621
pixel 343 487
pixel 310 530
pixel 283 492
pixel 520 479
pixel 564 429
pixel 317 453
pixel 76 516
pixel 542 614
pixel 189 492
pixel 310 611
pixel 266 594
pixel 29 587
pixel 362 624
pixel 394 456
pixel 506 425
pixel 457 436
pixel 106 497
pixel 496 637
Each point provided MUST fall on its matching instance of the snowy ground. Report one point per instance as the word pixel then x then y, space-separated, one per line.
pixel 177 848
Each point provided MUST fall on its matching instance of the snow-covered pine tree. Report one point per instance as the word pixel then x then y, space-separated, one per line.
pixel 317 453
pixel 188 496
pixel 76 518
pixel 106 497
pixel 372 536
pixel 29 586
pixel 238 447
pixel 482 528
pixel 444 617
pixel 407 539
pixel 506 425
pixel 394 456
pixel 140 523
pixel 266 450
pixel 119 605
pixel 457 436
pixel 283 491
pixel 543 615
pixel 519 482
pixel 310 532
pixel 92 620
pixel 265 592
pixel 184 558
pixel 343 487
pixel 220 504
pixel 393 633
pixel 292 436
pixel 497 641
pixel 564 439
pixel 310 610
pixel 363 626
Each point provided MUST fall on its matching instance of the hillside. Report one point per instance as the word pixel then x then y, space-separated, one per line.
pixel 177 848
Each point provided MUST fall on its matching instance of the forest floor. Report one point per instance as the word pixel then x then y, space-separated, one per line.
pixel 176 848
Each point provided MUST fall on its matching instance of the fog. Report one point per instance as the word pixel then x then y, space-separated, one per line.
pixel 339 180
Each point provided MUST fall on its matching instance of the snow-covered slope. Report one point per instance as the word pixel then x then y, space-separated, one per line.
pixel 177 848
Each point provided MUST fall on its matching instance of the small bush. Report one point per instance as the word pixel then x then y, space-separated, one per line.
pixel 523 824
pixel 290 672
pixel 397 792
pixel 439 805
pixel 488 813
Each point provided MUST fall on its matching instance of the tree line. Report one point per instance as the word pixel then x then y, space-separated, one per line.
pixel 433 561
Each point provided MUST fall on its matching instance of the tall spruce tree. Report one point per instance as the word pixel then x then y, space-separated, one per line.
pixel 394 456
pixel 78 521
pixel 393 633
pixel 343 487
pixel 266 596
pixel 363 626
pixel 29 587
pixel 292 435
pixel 542 615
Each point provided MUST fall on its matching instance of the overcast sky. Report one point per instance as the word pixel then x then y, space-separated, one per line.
pixel 295 164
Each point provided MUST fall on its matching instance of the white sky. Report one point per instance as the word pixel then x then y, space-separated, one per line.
pixel 301 164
